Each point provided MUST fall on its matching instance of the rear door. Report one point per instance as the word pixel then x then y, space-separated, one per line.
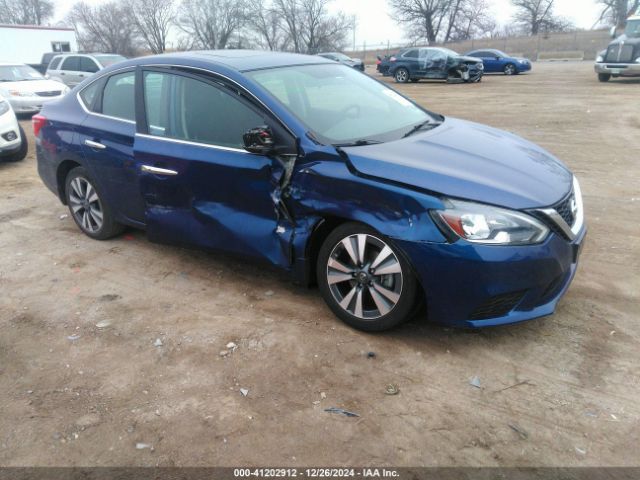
pixel 87 68
pixel 199 185
pixel 70 71
pixel 410 59
pixel 107 137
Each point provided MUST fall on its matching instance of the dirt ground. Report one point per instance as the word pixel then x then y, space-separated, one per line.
pixel 557 391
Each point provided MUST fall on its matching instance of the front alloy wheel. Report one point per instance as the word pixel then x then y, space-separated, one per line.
pixel 510 69
pixel 365 281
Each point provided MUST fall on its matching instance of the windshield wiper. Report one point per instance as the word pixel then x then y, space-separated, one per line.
pixel 357 143
pixel 427 123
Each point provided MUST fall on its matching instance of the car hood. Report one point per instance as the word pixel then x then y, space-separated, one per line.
pixel 33 86
pixel 470 161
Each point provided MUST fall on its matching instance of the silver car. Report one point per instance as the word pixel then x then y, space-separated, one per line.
pixel 26 89
pixel 72 68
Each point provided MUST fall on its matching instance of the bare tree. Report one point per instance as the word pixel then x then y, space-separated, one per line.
pixel 26 12
pixel 211 23
pixel 108 27
pixel 310 27
pixel 472 21
pixel 537 16
pixel 266 25
pixel 426 18
pixel 153 19
pixel 616 12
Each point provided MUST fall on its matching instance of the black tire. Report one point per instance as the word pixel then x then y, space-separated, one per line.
pixel 401 75
pixel 108 228
pixel 604 77
pixel 510 69
pixel 373 317
pixel 24 148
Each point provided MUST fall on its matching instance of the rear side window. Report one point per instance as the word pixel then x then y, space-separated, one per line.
pixel 88 95
pixel 88 65
pixel 184 108
pixel 411 54
pixel 118 97
pixel 54 63
pixel 71 63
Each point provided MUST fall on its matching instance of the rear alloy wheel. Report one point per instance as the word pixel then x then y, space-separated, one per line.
pixel 402 75
pixel 87 207
pixel 604 77
pixel 510 69
pixel 364 279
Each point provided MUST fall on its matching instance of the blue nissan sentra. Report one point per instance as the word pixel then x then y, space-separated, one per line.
pixel 321 170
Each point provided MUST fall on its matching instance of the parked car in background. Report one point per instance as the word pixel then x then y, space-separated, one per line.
pixel 622 56
pixel 13 141
pixel 434 63
pixel 383 64
pixel 44 62
pixel 495 61
pixel 344 59
pixel 26 89
pixel 308 165
pixel 72 69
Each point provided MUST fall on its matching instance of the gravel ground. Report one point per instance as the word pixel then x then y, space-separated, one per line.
pixel 110 352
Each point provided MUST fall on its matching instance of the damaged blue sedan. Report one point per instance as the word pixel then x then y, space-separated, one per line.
pixel 320 170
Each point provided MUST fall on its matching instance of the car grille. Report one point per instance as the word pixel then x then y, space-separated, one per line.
pixel 564 209
pixel 620 54
pixel 53 93
pixel 497 306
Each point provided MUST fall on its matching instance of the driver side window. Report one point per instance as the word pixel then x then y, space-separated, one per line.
pixel 184 108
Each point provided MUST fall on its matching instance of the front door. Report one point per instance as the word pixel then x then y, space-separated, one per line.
pixel 199 185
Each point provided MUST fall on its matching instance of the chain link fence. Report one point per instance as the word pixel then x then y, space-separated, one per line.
pixel 581 44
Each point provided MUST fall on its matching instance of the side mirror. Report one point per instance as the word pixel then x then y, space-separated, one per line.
pixel 612 32
pixel 259 140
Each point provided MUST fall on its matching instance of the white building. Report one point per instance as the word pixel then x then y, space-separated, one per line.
pixel 27 43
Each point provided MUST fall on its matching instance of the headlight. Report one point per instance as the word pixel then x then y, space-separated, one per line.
pixel 4 107
pixel 638 60
pixel 522 60
pixel 480 223
pixel 599 59
pixel 18 93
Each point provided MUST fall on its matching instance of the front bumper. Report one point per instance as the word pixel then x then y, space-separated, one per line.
pixel 30 104
pixel 524 67
pixel 8 129
pixel 471 285
pixel 621 69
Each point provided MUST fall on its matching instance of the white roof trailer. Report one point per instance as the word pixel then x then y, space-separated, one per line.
pixel 26 43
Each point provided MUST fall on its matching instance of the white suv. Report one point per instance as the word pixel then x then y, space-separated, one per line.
pixel 72 68
pixel 13 142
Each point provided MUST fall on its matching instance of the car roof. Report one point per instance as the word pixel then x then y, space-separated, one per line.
pixel 12 64
pixel 239 60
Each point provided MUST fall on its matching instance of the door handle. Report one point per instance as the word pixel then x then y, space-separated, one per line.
pixel 92 144
pixel 158 170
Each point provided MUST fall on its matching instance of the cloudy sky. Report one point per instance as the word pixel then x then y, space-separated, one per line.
pixel 376 27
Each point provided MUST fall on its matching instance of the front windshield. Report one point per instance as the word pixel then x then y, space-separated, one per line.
pixel 633 29
pixel 341 56
pixel 108 60
pixel 18 73
pixel 340 105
